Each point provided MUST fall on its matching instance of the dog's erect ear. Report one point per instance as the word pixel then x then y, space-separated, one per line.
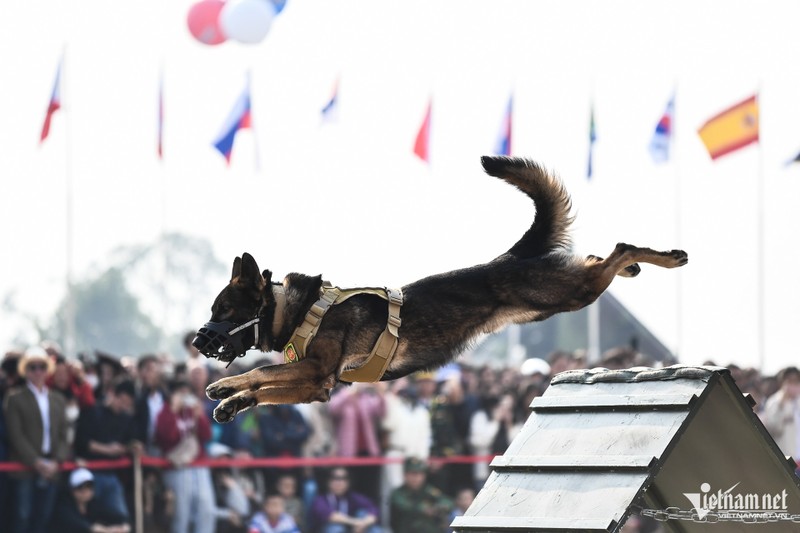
pixel 250 272
pixel 267 275
pixel 237 268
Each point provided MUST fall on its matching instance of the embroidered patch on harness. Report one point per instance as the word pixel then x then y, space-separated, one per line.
pixel 290 354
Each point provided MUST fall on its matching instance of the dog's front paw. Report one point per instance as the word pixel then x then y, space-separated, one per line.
pixel 228 409
pixel 216 391
pixel 679 258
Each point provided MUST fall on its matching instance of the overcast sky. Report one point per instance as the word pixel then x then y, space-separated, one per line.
pixel 349 200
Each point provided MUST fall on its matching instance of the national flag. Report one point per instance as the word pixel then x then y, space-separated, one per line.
pixel 330 112
pixel 422 142
pixel 160 132
pixel 733 128
pixel 239 118
pixel 662 136
pixel 54 104
pixel 504 140
pixel 592 139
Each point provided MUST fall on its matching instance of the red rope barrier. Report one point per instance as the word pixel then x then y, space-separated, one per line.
pixel 277 462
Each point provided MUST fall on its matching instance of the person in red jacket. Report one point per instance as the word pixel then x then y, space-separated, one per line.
pixel 182 418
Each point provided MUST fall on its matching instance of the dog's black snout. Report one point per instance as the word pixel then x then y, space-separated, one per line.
pixel 200 342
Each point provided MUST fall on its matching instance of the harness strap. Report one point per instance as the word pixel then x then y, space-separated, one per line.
pixel 381 355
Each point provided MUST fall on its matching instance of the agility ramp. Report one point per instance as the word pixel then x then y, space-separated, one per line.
pixel 681 444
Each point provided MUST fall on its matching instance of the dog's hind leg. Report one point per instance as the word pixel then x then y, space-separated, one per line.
pixel 296 393
pixel 630 271
pixel 624 256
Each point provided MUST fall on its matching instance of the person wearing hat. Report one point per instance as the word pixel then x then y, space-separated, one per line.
pixel 37 433
pixel 417 507
pixel 78 511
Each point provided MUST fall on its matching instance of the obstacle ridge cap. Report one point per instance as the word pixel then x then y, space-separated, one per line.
pixel 637 374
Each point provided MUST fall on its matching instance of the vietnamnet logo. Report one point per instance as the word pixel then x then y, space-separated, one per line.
pixel 729 503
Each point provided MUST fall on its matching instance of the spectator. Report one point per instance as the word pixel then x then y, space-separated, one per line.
pixel 193 354
pixel 108 368
pixel 286 486
pixel 69 379
pixel 782 410
pixel 490 432
pixel 273 517
pixel 426 387
pixel 37 430
pixel 356 411
pixel 8 379
pixel 78 511
pixel 450 419
pixel 417 507
pixel 105 432
pixel 407 427
pixel 283 430
pixel 340 510
pixel 151 396
pixel 464 499
pixel 233 503
pixel 150 399
pixel 182 430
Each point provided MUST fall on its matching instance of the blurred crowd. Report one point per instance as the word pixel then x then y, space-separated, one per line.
pixel 96 406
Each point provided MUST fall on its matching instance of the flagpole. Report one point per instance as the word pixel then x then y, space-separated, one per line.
pixel 593 312
pixel 678 227
pixel 70 343
pixel 760 241
pixel 164 191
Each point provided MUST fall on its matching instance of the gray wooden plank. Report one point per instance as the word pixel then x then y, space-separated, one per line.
pixel 495 523
pixel 615 401
pixel 573 462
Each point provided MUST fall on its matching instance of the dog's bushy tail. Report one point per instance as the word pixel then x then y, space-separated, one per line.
pixel 550 228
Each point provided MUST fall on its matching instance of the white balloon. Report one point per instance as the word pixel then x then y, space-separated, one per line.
pixel 247 21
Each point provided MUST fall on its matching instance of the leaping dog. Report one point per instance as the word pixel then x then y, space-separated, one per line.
pixel 329 334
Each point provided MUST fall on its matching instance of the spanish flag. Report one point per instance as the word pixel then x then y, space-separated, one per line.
pixel 734 128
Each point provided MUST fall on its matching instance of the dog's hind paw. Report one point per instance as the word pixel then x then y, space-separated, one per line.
pixel 631 271
pixel 679 258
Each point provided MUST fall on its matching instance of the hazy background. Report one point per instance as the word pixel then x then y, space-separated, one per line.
pixel 351 201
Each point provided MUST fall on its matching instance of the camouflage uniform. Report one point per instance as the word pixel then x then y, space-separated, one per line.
pixel 419 511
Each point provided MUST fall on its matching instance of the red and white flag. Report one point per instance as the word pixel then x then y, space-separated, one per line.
pixel 54 104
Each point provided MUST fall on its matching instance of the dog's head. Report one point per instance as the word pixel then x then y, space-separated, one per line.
pixel 238 312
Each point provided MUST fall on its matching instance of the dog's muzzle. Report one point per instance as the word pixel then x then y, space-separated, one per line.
pixel 224 340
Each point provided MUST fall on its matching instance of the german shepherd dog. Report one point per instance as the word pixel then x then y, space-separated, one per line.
pixel 537 278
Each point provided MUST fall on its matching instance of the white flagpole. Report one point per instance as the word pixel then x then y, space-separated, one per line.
pixel 678 225
pixel 760 281
pixel 70 335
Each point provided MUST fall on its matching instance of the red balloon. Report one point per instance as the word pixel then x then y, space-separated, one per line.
pixel 203 19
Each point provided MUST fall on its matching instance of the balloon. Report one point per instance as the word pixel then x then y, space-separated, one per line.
pixel 279 5
pixel 247 21
pixel 203 19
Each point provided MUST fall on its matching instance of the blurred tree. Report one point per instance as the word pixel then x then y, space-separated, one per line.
pixel 108 317
pixel 144 299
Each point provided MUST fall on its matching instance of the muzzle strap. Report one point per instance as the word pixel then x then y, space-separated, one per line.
pixel 246 325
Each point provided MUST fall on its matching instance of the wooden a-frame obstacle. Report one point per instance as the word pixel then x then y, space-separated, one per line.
pixel 681 444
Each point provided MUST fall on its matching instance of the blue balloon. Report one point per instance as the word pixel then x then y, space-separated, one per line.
pixel 279 5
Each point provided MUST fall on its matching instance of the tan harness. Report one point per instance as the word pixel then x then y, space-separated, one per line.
pixel 381 355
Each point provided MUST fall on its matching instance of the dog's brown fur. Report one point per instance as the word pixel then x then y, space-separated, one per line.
pixel 537 278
